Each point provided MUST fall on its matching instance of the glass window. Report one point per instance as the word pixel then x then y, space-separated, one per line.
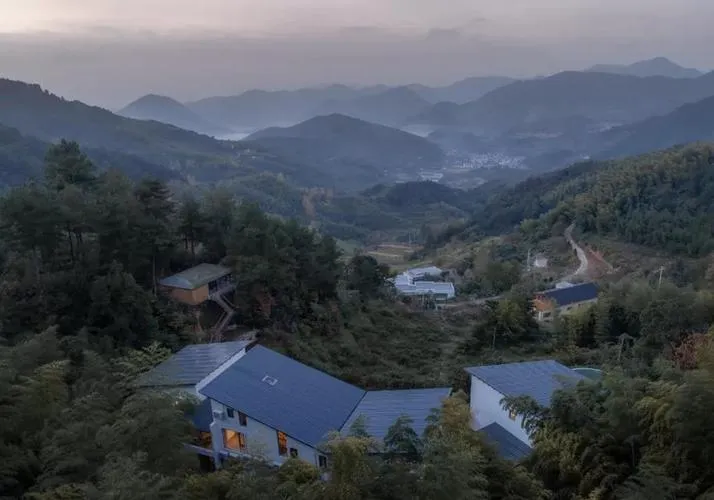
pixel 293 453
pixel 322 461
pixel 230 412
pixel 233 440
pixel 242 419
pixel 282 443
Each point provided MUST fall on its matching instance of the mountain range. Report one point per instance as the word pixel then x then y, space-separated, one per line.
pixel 166 110
pixel 256 109
pixel 332 151
pixel 602 97
pixel 690 123
pixel 606 94
pixel 658 66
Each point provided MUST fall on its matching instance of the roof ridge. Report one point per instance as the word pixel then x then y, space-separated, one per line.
pixel 349 415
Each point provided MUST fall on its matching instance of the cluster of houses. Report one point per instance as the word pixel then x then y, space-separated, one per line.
pixel 256 402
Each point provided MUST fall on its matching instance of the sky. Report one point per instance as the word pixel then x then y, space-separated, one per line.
pixel 109 52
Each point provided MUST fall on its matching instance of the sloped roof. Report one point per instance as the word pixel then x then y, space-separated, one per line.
pixel 426 288
pixel 191 364
pixel 508 446
pixel 572 295
pixel 286 395
pixel 537 379
pixel 195 277
pixel 382 408
pixel 419 272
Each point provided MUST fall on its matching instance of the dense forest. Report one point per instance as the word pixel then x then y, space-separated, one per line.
pixel 81 250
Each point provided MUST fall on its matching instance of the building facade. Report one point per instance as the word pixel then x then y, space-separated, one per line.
pixel 492 384
pixel 563 301
pixel 255 402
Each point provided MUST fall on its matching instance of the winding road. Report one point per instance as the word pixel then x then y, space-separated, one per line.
pixel 582 256
pixel 580 272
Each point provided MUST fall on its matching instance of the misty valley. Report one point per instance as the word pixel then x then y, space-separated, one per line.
pixel 501 288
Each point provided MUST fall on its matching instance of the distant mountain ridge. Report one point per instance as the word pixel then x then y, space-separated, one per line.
pixel 601 97
pixel 690 123
pixel 167 110
pixel 387 105
pixel 349 148
pixel 390 107
pixel 658 66
pixel 463 91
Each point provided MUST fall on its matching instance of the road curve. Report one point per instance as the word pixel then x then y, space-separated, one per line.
pixel 582 256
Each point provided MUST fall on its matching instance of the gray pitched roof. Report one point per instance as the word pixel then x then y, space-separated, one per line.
pixel 383 408
pixel 286 395
pixel 191 364
pixel 195 277
pixel 508 446
pixel 572 295
pixel 537 379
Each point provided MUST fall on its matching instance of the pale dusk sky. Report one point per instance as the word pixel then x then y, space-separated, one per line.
pixel 108 52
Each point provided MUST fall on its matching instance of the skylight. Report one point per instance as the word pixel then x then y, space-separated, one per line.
pixel 270 380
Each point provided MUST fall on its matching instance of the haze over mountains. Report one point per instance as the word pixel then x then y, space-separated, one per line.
pixel 659 66
pixel 348 138
pixel 341 148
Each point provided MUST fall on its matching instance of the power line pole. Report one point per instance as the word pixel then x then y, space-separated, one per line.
pixel 659 282
pixel 528 261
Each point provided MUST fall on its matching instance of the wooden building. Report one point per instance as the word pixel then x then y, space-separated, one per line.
pixel 198 284
pixel 202 283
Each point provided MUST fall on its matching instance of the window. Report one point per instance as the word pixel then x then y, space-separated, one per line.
pixel 282 443
pixel 233 440
pixel 203 439
pixel 512 415
pixel 230 412
pixel 242 419
pixel 293 453
pixel 322 461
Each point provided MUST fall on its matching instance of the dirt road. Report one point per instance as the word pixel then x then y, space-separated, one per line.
pixel 582 256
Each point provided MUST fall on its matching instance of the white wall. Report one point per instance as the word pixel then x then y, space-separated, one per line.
pixel 261 440
pixel 486 409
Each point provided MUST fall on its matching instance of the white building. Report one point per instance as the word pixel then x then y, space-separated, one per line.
pixel 263 404
pixel 411 283
pixel 490 385
pixel 186 373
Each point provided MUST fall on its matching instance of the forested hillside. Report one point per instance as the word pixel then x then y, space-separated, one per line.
pixel 692 122
pixel 22 158
pixel 662 200
pixel 80 254
pixel 349 153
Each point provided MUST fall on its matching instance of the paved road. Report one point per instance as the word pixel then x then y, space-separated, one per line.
pixel 582 256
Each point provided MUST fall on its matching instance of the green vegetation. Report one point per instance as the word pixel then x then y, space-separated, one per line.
pixel 81 251
pixel 350 153
pixel 662 200
pixel 84 249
